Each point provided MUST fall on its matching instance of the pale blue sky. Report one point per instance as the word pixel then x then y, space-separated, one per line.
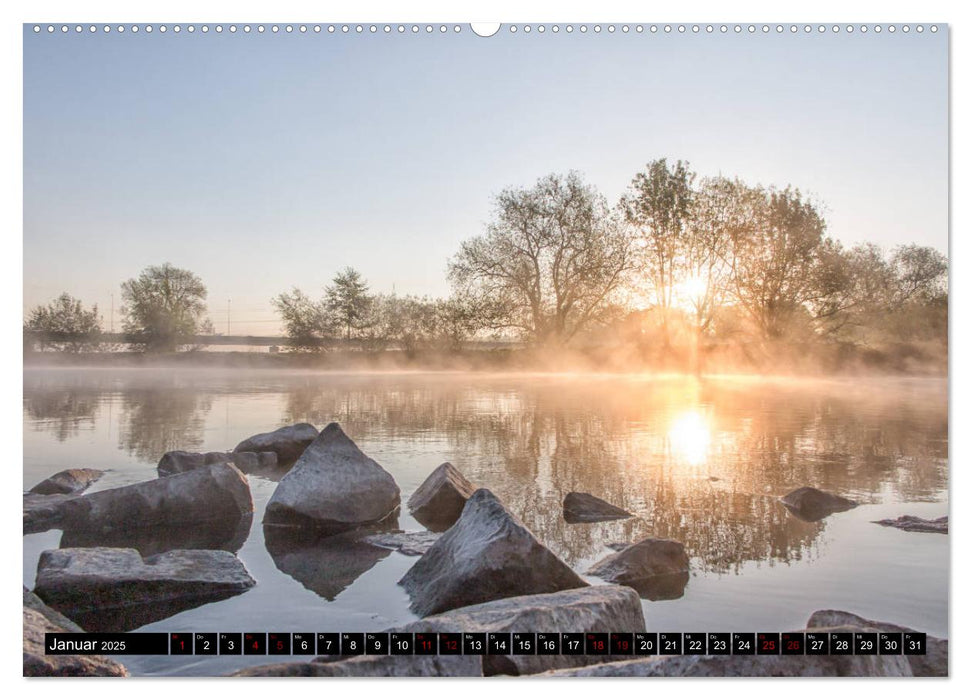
pixel 267 161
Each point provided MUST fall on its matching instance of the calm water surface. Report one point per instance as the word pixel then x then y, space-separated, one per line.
pixel 700 461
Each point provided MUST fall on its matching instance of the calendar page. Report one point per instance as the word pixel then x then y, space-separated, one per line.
pixel 437 349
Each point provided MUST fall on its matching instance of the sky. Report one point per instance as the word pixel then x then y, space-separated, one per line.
pixel 266 162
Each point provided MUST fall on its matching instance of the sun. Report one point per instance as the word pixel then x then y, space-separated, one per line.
pixel 689 293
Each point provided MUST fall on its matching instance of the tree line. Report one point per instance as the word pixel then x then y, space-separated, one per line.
pixel 678 262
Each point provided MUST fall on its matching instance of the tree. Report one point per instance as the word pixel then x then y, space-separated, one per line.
pixel 348 300
pixel 549 262
pixel 920 272
pixel 65 325
pixel 774 260
pixel 164 307
pixel 659 205
pixel 305 321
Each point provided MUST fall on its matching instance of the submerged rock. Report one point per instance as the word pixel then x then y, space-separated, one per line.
pixel 411 544
pixel 811 504
pixel 325 565
pixel 178 462
pixel 69 481
pixel 287 442
pixel 439 501
pixel 218 492
pixel 933 663
pixel 374 667
pixel 333 487
pixel 586 508
pixel 106 589
pixel 40 619
pixel 488 554
pixel 655 568
pixel 590 609
pixel 911 523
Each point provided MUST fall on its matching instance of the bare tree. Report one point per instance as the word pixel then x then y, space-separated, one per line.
pixel 550 261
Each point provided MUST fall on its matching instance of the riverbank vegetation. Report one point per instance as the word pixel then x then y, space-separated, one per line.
pixel 682 273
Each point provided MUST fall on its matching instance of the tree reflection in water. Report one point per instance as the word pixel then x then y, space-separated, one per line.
pixel 700 461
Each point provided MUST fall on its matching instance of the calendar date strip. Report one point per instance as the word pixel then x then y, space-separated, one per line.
pixel 486 643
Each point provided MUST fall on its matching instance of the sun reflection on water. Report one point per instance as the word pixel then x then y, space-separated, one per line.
pixel 689 436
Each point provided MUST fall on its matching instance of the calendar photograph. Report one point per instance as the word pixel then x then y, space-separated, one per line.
pixel 466 350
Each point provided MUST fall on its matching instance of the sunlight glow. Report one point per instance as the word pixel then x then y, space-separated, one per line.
pixel 689 437
pixel 690 292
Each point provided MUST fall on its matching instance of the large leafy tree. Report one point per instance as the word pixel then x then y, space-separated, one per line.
pixel 164 307
pixel 549 263
pixel 305 320
pixel 348 301
pixel 64 324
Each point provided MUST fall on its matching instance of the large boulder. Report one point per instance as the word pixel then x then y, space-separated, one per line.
pixel 178 462
pixel 288 442
pixel 911 523
pixel 69 481
pixel 333 487
pixel 744 666
pixel 933 663
pixel 373 667
pixel 655 568
pixel 106 589
pixel 810 504
pixel 42 504
pixel 586 508
pixel 229 535
pixel 39 620
pixel 488 554
pixel 219 492
pixel 43 511
pixel 439 501
pixel 590 609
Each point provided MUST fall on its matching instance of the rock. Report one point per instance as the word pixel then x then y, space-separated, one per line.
pixel 655 568
pixel 69 481
pixel 934 663
pixel 288 442
pixel 228 535
pixel 744 666
pixel 325 565
pixel 42 512
pixel 811 504
pixel 911 523
pixel 439 501
pixel 178 462
pixel 590 609
pixel 39 619
pixel 585 508
pixel 618 546
pixel 105 589
pixel 411 544
pixel 488 554
pixel 374 666
pixel 216 493
pixel 333 487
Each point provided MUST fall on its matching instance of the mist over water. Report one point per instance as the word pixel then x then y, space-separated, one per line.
pixel 699 460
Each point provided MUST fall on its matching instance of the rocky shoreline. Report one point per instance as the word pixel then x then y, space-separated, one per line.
pixel 140 553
